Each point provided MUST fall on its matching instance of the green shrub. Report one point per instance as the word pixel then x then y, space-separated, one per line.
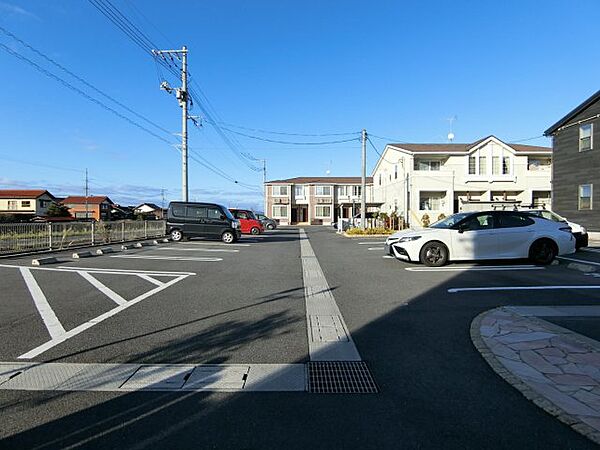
pixel 368 231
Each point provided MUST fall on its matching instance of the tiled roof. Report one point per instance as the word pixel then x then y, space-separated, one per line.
pixel 323 180
pixel 81 200
pixel 23 193
pixel 464 148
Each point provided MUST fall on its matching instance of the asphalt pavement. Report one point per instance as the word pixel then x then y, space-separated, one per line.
pixel 194 303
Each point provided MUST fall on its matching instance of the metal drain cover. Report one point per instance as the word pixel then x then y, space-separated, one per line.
pixel 340 377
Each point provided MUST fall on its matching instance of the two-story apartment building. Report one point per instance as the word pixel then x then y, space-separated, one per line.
pixel 93 207
pixel 34 202
pixel 417 180
pixel 316 200
pixel 576 164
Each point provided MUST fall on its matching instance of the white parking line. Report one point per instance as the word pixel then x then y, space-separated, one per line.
pixel 158 273
pixel 472 268
pixel 375 248
pixel 187 249
pixel 519 288
pixel 582 261
pixel 236 244
pixel 169 258
pixel 102 288
pixel 150 279
pixel 79 329
pixel 371 243
pixel 52 323
pixel 388 257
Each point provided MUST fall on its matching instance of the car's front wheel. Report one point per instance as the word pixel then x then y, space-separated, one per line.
pixel 228 237
pixel 270 226
pixel 176 235
pixel 434 254
pixel 543 251
pixel 255 230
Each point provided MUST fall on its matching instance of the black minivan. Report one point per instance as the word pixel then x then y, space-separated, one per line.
pixel 210 220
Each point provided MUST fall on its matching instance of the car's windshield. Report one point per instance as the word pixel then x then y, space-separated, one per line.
pixel 450 221
pixel 251 215
pixel 227 212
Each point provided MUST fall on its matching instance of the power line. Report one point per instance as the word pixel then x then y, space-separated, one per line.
pixel 526 140
pixel 80 79
pixel 383 138
pixel 290 142
pixel 258 130
pixel 377 151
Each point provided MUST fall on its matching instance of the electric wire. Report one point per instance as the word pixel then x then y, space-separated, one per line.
pixel 259 138
pixel 259 130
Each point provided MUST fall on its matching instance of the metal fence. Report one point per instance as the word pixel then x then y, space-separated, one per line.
pixel 27 237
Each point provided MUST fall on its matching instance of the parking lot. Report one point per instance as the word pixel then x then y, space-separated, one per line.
pixel 274 303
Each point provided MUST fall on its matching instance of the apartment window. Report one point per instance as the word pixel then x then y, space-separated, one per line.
pixel 280 191
pixel 395 171
pixel 323 211
pixel 431 201
pixel 25 204
pixel 482 165
pixel 13 204
pixel 427 165
pixel 356 191
pixel 323 191
pixel 280 211
pixel 585 137
pixel 299 191
pixel 472 165
pixel 495 165
pixel 506 165
pixel 537 163
pixel 379 179
pixel 585 196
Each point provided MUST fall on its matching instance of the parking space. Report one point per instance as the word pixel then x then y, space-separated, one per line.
pixel 206 288
pixel 273 303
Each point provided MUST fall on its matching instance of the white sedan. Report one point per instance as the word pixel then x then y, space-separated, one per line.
pixel 484 235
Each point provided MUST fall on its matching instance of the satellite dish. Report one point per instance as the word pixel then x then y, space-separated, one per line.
pixel 450 136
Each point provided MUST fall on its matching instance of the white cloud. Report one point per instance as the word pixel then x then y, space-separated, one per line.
pixel 17 11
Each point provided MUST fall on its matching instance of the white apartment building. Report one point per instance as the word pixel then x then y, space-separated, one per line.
pixel 423 181
pixel 316 200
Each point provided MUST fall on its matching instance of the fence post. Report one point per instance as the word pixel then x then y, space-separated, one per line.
pixel 145 229
pixel 93 231
pixel 123 231
pixel 49 236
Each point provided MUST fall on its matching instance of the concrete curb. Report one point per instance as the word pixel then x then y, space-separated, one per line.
pixel 103 251
pixel 78 255
pixel 538 399
pixel 42 261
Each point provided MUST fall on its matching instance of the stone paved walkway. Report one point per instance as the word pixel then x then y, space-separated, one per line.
pixel 557 369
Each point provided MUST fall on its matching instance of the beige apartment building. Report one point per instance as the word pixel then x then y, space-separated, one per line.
pixel 417 180
pixel 316 200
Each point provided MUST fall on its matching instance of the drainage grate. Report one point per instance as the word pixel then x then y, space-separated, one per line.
pixel 340 377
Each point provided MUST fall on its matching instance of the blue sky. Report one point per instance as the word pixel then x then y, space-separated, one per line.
pixel 398 69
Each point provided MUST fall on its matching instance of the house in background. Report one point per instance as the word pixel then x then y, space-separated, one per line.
pixel 316 200
pixel 576 164
pixel 150 209
pixel 34 202
pixel 418 180
pixel 94 207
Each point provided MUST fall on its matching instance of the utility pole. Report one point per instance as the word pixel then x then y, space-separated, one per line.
pixel 183 98
pixel 363 201
pixel 86 194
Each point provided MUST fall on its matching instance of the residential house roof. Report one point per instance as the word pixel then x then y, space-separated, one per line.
pixel 23 193
pixel 322 180
pixel 587 103
pixel 464 148
pixel 151 205
pixel 81 200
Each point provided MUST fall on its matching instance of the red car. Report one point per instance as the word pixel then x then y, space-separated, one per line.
pixel 248 221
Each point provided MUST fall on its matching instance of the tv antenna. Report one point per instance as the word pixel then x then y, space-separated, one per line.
pixel 451 120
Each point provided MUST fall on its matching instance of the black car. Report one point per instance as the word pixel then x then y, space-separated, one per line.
pixel 267 223
pixel 210 220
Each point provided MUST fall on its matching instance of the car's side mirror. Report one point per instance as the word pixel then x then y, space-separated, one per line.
pixel 463 227
pixel 222 217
